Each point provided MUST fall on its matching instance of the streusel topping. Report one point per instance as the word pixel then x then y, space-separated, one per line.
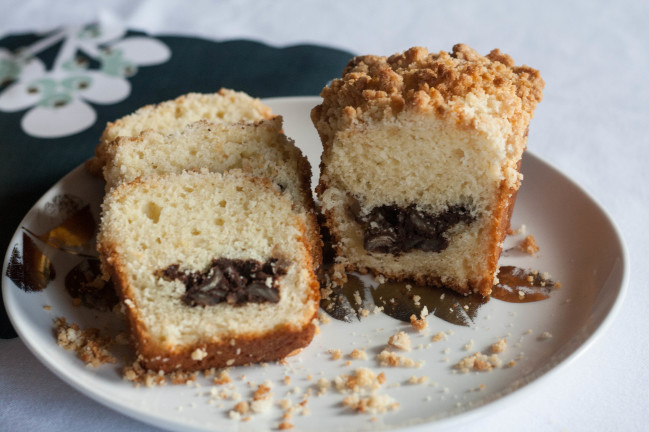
pixel 375 87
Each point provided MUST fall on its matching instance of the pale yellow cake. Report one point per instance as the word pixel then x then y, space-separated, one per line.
pixel 259 148
pixel 214 269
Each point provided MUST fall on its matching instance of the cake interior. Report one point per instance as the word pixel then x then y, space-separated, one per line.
pixel 418 171
pixel 190 224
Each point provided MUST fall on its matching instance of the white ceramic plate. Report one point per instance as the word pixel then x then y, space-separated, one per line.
pixel 580 247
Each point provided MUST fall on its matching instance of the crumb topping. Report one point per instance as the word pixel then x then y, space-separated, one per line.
pixel 375 87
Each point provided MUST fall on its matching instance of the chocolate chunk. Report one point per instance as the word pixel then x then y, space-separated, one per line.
pixel 231 281
pixel 392 229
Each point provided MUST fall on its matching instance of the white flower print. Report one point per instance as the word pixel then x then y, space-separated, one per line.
pixel 56 99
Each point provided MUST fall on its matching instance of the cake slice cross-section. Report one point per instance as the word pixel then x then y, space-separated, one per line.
pixel 214 270
pixel 421 163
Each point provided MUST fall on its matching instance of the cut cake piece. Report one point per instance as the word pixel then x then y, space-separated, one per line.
pixel 169 116
pixel 260 149
pixel 214 269
pixel 421 163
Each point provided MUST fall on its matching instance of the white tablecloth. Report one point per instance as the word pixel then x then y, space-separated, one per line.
pixel 592 124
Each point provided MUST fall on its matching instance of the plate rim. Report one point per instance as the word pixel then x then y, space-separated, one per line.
pixel 495 405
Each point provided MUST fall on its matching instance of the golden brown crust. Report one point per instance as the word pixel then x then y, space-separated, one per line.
pixel 502 216
pixel 270 346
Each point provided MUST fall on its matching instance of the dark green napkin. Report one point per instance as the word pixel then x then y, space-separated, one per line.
pixel 30 164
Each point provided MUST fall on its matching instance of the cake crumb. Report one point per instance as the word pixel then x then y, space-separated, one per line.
pixel 323 385
pixel 545 335
pixel 400 340
pixel 469 346
pixel 499 346
pixel 262 399
pixel 478 362
pixel 362 379
pixel 338 274
pixel 137 374
pixel 242 407
pixel 336 354
pixel 47 307
pixel 391 359
pixel 183 377
pixel 418 324
pixel 439 336
pixel 222 378
pixel 285 426
pixel 89 345
pixel 417 380
pixel 357 354
pixel 373 404
pixel 324 318
pixel 521 230
pixel 528 245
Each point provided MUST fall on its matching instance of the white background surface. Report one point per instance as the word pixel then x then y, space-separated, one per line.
pixel 594 57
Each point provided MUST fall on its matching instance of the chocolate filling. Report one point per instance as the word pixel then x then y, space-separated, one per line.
pixel 231 281
pixel 392 229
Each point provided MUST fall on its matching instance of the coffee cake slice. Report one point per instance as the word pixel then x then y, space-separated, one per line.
pixel 421 162
pixel 214 269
